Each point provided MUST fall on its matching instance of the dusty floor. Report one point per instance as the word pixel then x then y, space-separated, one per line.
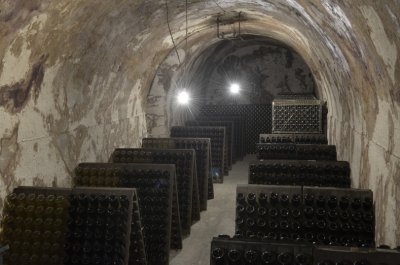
pixel 218 219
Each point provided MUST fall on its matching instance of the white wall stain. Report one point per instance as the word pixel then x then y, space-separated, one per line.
pixel 385 48
pixel 15 68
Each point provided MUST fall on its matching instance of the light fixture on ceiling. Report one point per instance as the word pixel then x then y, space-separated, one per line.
pixel 183 97
pixel 234 88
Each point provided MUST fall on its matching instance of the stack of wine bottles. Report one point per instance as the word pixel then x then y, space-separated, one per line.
pixel 355 256
pixel 186 176
pixel 257 119
pixel 291 95
pixel 156 189
pixel 238 132
pixel 237 251
pixel 217 137
pixel 202 148
pixel 297 116
pixel 71 226
pixel 292 151
pixel 229 151
pixel 323 216
pixel 296 172
pixel 281 138
pixel 99 228
pixel 3 250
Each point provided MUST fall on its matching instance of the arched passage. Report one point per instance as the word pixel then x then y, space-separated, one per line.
pixel 261 66
pixel 75 75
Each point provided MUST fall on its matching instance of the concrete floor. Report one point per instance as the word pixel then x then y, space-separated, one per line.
pixel 218 219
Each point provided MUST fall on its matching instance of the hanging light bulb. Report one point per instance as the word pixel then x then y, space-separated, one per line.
pixel 183 98
pixel 234 88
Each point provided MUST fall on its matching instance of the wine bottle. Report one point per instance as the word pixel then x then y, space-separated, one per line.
pixel 268 258
pixel 285 258
pixel 251 257
pixel 234 256
pixel 218 255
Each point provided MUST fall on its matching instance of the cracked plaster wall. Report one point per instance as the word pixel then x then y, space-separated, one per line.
pixel 74 77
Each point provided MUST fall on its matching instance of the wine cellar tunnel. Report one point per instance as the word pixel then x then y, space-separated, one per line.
pixel 79 79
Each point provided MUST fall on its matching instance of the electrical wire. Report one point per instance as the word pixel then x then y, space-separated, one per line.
pixel 186 24
pixel 170 32
pixel 223 10
pixel 186 45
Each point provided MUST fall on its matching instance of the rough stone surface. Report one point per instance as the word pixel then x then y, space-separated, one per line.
pixel 75 75
pixel 262 67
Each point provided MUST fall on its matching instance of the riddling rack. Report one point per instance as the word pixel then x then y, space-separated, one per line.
pixel 61 226
pixel 257 119
pixel 217 136
pixel 229 151
pixel 239 131
pixel 156 188
pixel 202 147
pixel 186 176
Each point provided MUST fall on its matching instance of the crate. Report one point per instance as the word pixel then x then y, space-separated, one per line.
pixel 297 116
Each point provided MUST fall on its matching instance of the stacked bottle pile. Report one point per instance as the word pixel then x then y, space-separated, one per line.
pixel 328 216
pixel 296 152
pixel 238 251
pixel 300 172
pixel 72 226
pixel 300 138
pixel 299 208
